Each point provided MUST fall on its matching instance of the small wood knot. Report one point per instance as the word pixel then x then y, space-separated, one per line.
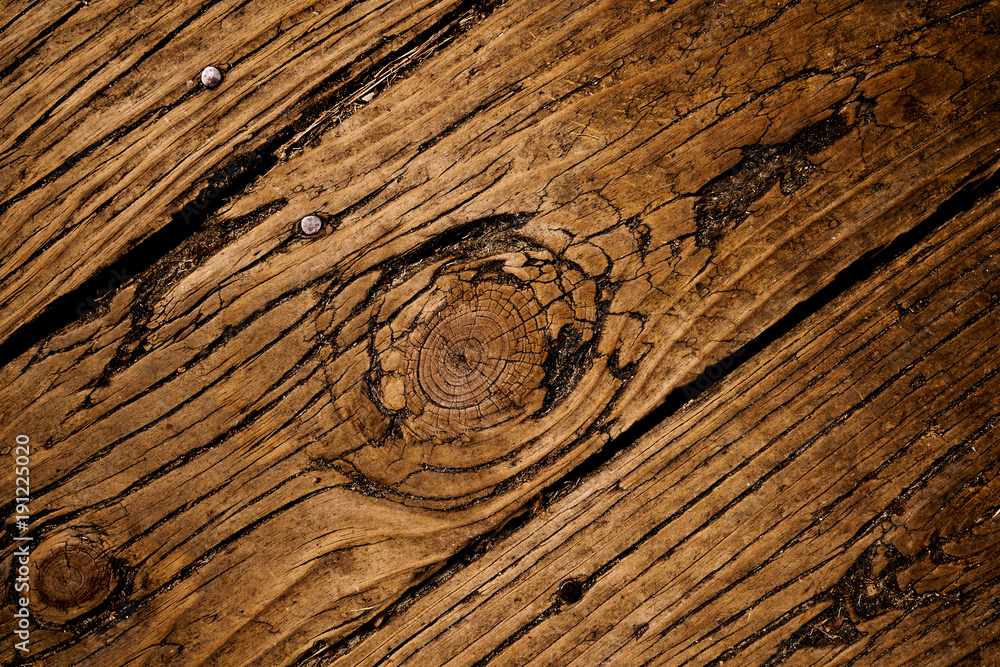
pixel 73 578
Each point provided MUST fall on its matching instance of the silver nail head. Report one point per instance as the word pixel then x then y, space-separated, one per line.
pixel 311 224
pixel 211 77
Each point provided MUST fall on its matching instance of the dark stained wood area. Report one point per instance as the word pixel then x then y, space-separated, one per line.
pixel 500 333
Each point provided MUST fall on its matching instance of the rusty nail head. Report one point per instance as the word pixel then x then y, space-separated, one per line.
pixel 311 224
pixel 569 591
pixel 211 77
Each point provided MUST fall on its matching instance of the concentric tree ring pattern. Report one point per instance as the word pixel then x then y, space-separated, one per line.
pixel 72 578
pixel 467 357
pixel 477 355
pixel 467 366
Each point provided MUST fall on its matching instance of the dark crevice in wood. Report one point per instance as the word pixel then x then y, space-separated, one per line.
pixel 238 175
pixel 562 366
pixel 725 201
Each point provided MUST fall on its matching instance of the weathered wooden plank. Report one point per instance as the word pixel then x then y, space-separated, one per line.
pixel 835 501
pixel 109 138
pixel 527 243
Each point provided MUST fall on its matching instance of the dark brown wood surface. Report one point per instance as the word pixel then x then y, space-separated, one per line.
pixel 541 222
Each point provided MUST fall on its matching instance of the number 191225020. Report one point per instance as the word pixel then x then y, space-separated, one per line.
pixel 22 480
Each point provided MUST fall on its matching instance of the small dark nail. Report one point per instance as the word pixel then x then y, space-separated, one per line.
pixel 569 591
pixel 311 224
pixel 211 77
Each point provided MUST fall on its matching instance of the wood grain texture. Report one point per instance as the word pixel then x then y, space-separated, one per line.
pixel 529 240
pixel 835 501
pixel 109 137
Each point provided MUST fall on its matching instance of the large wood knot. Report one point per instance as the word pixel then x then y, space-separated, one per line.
pixel 467 360
pixel 71 578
